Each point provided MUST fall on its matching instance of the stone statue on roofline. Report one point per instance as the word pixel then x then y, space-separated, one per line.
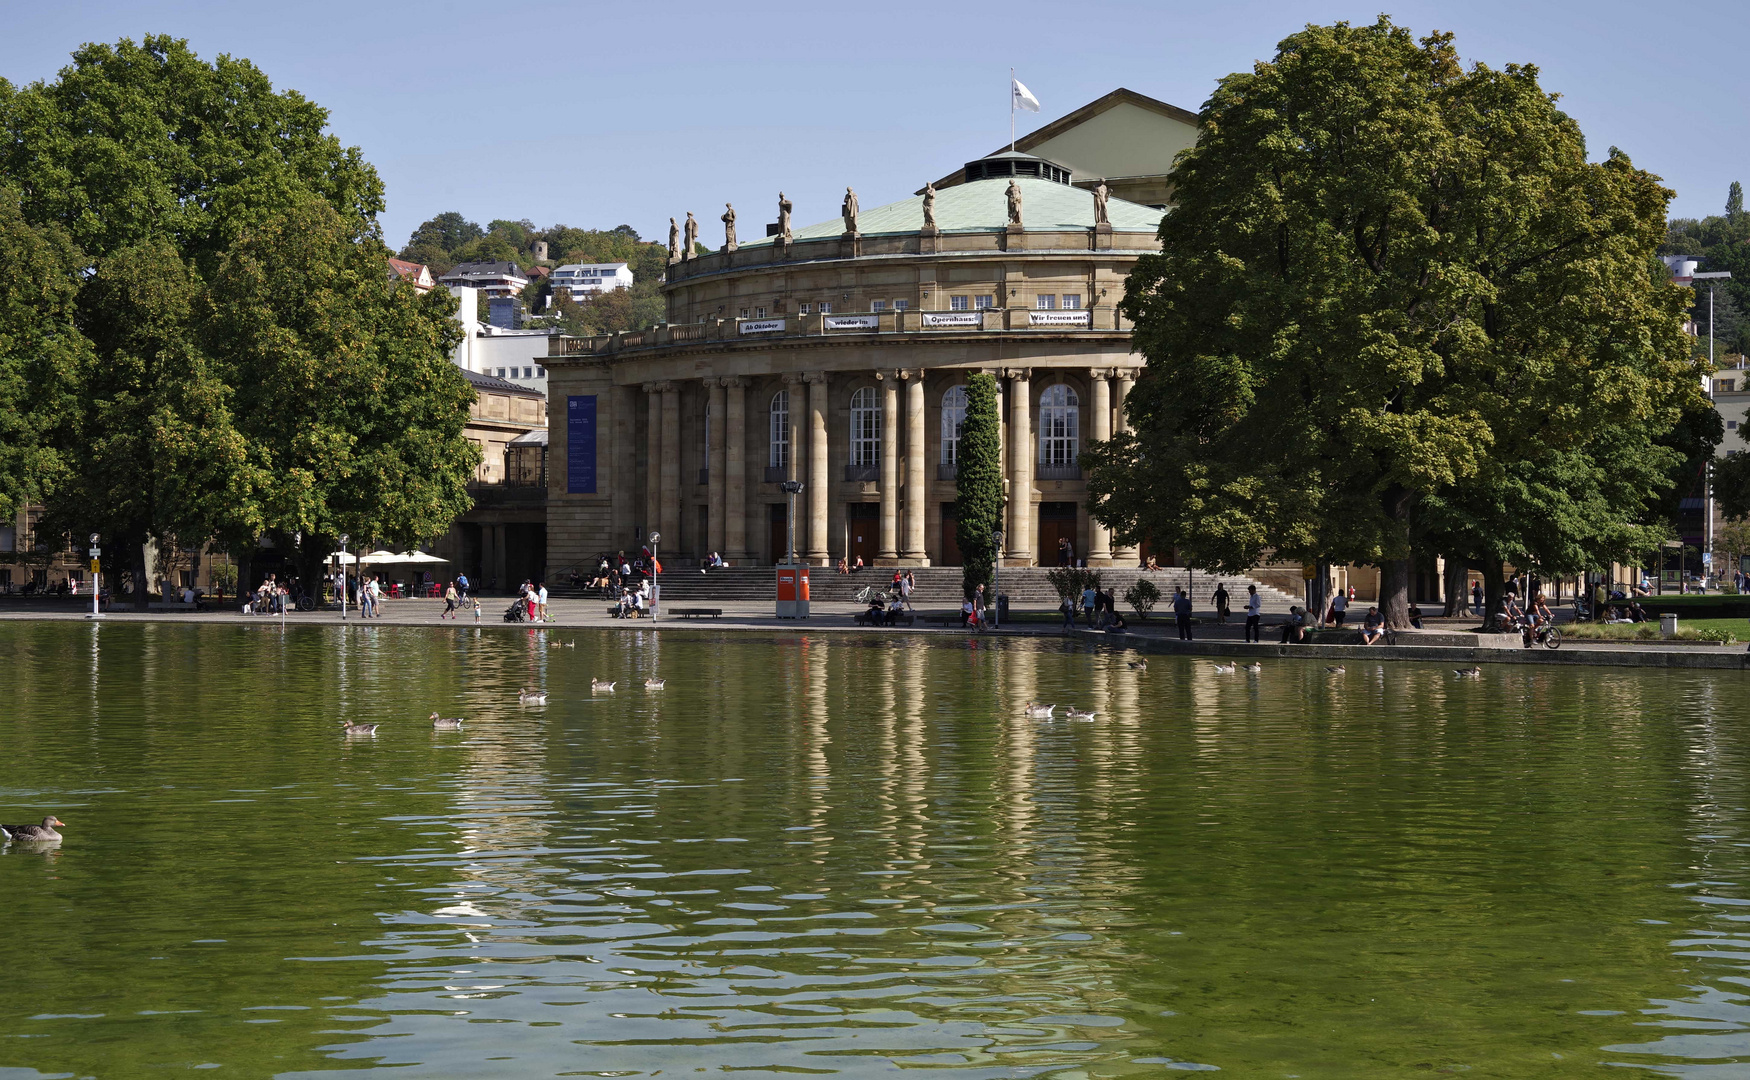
pixel 674 241
pixel 1101 194
pixel 784 208
pixel 692 236
pixel 1014 202
pixel 848 209
pixel 728 226
pixel 930 205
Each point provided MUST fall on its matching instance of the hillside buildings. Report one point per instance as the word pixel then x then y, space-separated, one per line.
pixel 582 280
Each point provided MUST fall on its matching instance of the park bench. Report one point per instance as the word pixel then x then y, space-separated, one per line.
pixel 696 612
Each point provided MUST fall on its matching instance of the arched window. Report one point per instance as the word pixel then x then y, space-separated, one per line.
pixel 1058 425
pixel 779 455
pixel 865 428
pixel 953 416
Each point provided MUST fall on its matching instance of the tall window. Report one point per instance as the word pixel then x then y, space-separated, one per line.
pixel 779 456
pixel 865 428
pixel 1046 302
pixel 981 303
pixel 953 416
pixel 957 303
pixel 1058 425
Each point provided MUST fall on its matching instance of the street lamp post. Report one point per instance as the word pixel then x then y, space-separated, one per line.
pixel 344 538
pixel 96 570
pixel 996 580
pixel 790 488
pixel 655 576
pixel 1708 503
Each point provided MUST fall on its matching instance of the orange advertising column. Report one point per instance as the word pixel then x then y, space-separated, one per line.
pixel 792 591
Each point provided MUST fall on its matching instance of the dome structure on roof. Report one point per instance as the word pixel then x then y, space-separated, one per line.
pixel 983 206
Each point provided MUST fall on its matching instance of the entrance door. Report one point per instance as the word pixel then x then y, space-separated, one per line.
pixel 780 536
pixel 950 535
pixel 863 523
pixel 1057 521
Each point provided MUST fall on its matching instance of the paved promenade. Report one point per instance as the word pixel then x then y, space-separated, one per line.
pixel 1445 641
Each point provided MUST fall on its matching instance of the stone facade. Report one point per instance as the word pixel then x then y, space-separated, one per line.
pixel 830 360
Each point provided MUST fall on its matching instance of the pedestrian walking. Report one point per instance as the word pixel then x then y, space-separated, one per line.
pixel 1221 602
pixel 1068 607
pixel 541 601
pixel 906 585
pixel 1254 614
pixel 1339 608
pixel 1476 596
pixel 1182 612
pixel 1088 598
pixel 451 599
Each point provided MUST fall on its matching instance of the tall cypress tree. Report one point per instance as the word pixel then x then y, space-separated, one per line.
pixel 978 483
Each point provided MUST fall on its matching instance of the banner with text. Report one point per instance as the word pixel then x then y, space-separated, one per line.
pixel 1059 318
pixel 962 319
pixel 580 444
pixel 853 322
pixel 762 326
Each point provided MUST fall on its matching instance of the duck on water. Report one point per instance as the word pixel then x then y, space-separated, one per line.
pixel 28 833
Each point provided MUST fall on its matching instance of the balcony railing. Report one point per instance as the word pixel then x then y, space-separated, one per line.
pixel 863 472
pixel 1057 472
pixel 945 471
pixel 777 474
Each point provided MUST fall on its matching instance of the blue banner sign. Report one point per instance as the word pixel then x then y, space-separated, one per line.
pixel 580 444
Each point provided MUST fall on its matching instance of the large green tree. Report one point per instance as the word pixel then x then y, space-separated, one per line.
pixel 1387 277
pixel 245 366
pixel 978 483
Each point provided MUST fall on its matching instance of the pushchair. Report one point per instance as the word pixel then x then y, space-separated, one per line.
pixel 517 612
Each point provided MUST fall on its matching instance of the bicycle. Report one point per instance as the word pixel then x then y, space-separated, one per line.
pixel 1548 635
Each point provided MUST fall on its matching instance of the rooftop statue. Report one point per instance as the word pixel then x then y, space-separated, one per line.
pixel 674 241
pixel 1014 202
pixel 784 208
pixel 1101 194
pixel 692 236
pixel 849 210
pixel 930 204
pixel 728 226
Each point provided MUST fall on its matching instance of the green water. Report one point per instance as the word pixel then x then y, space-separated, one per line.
pixel 851 856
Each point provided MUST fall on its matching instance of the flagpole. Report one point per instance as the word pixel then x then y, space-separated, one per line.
pixel 1011 110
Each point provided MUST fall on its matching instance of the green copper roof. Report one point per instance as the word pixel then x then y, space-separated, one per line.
pixel 983 206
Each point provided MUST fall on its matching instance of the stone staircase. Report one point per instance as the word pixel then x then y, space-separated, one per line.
pixel 939 586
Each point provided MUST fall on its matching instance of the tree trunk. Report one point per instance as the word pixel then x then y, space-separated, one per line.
pixel 245 567
pixel 1494 582
pixel 1457 587
pixel 1394 593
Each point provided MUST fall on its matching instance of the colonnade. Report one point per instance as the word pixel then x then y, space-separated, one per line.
pixel 904 476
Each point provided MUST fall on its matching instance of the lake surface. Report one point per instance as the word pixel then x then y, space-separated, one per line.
pixel 841 855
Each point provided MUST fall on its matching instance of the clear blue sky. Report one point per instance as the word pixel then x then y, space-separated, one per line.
pixel 598 114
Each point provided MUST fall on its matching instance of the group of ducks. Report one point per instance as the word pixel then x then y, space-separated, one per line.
pixel 525 696
pixel 1335 669
pixel 1035 711
pixel 1254 667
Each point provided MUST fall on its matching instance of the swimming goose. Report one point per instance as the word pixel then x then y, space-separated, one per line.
pixel 531 697
pixel 1077 714
pixel 446 723
pixel 24 834
pixel 1338 670
pixel 1468 673
pixel 654 683
pixel 1138 665
pixel 1037 712
pixel 1226 669
pixel 571 644
pixel 1254 667
pixel 358 729
pixel 601 687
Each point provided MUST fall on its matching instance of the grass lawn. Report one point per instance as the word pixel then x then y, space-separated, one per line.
pixel 1688 629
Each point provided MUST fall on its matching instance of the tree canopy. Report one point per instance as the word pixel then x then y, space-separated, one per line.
pixel 211 343
pixel 1392 289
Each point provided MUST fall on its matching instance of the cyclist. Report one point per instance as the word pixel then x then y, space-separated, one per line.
pixel 461 590
pixel 1538 617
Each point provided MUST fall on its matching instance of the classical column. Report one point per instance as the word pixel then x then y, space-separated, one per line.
pixel 715 467
pixel 1125 555
pixel 1020 467
pixel 652 464
pixel 917 498
pixel 671 466
pixel 1099 537
pixel 818 553
pixel 735 471
pixel 889 467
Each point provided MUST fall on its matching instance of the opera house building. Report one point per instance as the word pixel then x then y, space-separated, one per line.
pixel 836 355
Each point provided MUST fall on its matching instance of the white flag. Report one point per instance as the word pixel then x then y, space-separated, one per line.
pixel 1024 99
